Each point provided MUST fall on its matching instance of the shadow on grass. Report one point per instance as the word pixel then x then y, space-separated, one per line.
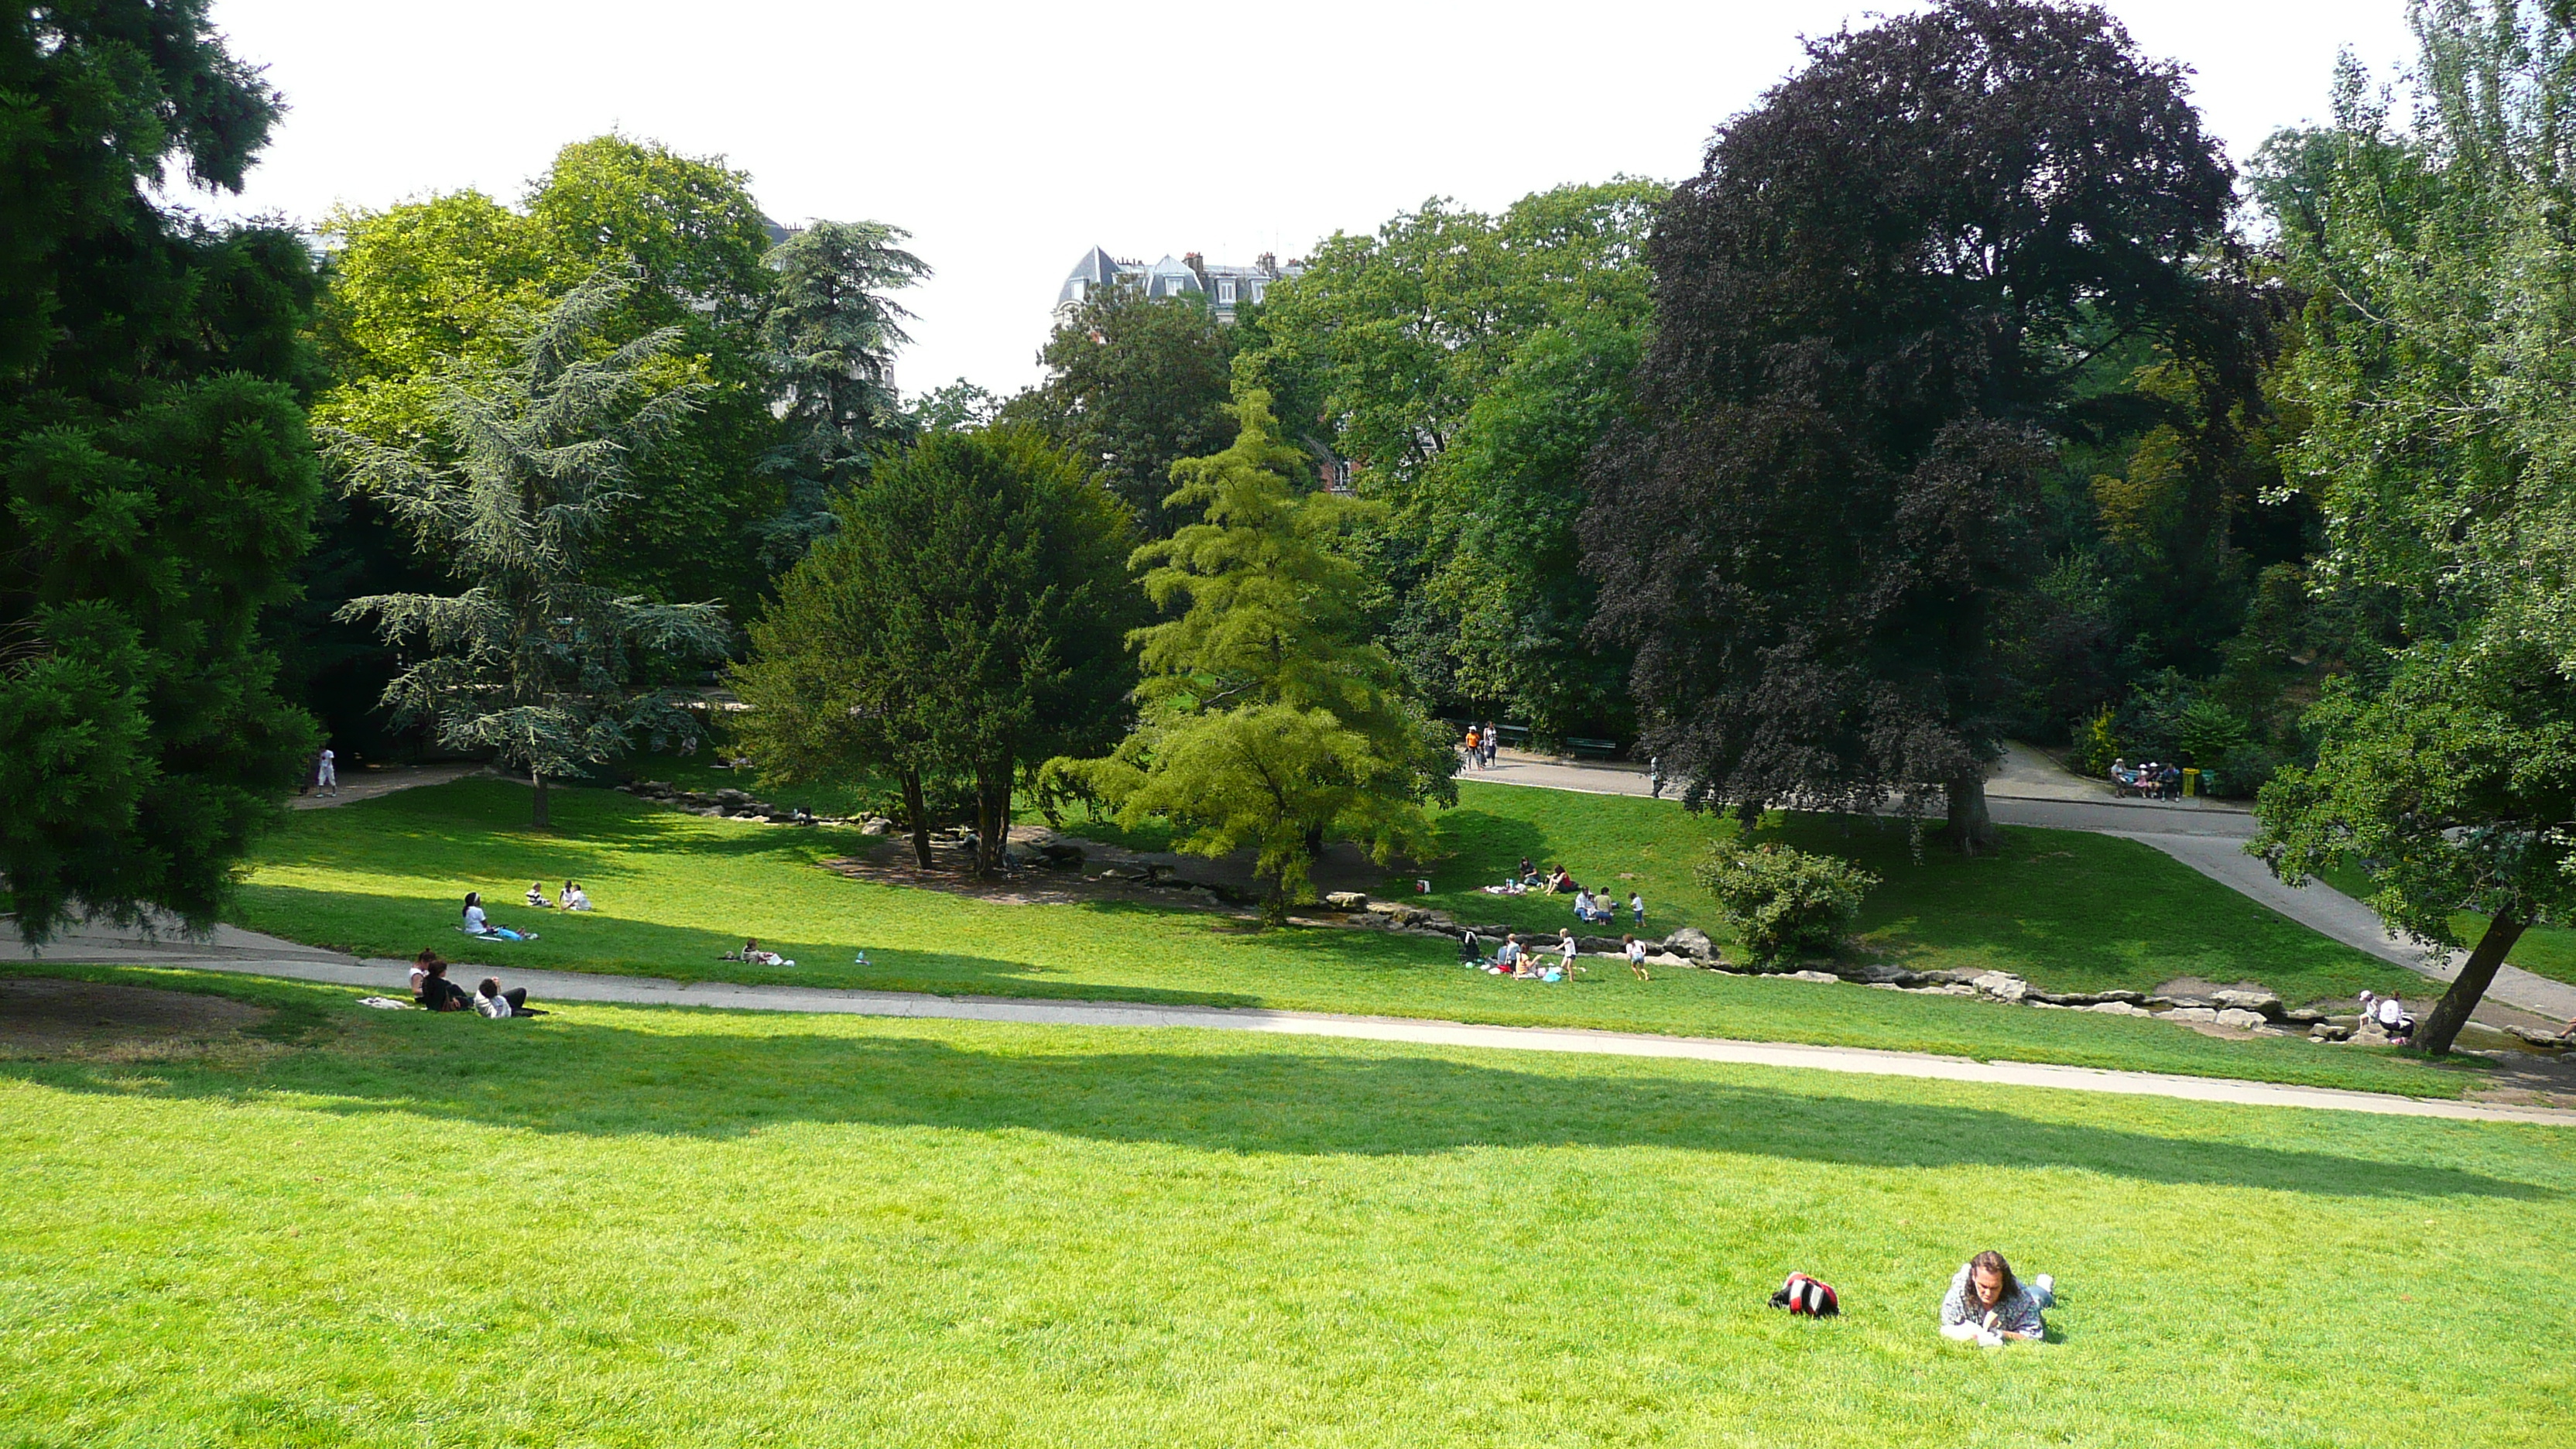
pixel 591 1079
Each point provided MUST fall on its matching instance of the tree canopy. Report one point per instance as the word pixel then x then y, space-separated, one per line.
pixel 1135 383
pixel 1872 306
pixel 157 483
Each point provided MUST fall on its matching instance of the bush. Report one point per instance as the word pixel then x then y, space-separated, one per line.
pixel 1781 901
pixel 2097 744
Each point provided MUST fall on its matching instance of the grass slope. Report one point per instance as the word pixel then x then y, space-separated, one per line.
pixel 384 877
pixel 640 1228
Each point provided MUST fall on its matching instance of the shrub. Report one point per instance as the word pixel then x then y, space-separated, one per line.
pixel 1780 900
pixel 2097 744
pixel 2209 732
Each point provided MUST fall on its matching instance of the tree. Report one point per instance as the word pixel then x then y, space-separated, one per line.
pixel 536 660
pixel 157 483
pixel 2454 790
pixel 2433 367
pixel 1135 383
pixel 1870 308
pixel 830 335
pixel 1268 718
pixel 965 618
pixel 1465 365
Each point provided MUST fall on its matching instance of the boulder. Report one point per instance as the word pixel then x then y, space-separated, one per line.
pixel 1950 976
pixel 1693 942
pixel 2089 998
pixel 1808 976
pixel 2002 986
pixel 2264 1004
pixel 2538 1038
pixel 2303 1015
pixel 2118 1008
pixel 1347 900
pixel 1057 856
pixel 1877 973
pixel 731 796
pixel 2241 1018
pixel 2370 1033
pixel 2328 1031
pixel 1398 915
pixel 1601 945
pixel 2192 1013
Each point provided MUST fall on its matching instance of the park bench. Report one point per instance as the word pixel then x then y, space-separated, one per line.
pixel 1592 749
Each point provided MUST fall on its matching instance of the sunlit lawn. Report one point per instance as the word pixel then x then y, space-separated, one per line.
pixel 386 877
pixel 643 1228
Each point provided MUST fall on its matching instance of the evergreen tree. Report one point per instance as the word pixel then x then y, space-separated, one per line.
pixel 1269 718
pixel 1135 383
pixel 535 660
pixel 965 618
pixel 157 482
pixel 829 337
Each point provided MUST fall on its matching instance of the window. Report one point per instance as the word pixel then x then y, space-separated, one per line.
pixel 1225 291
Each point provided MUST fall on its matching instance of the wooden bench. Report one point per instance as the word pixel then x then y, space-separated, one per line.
pixel 1598 749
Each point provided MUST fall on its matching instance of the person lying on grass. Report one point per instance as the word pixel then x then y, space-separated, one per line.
pixel 753 955
pixel 501 1005
pixel 1987 1305
pixel 478 924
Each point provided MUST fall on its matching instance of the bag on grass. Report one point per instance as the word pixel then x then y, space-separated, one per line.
pixel 1802 1294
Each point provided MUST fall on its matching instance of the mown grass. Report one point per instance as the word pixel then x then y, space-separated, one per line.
pixel 2544 950
pixel 386 877
pixel 646 1228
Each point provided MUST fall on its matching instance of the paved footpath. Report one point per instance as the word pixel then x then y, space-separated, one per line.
pixel 248 954
pixel 2207 835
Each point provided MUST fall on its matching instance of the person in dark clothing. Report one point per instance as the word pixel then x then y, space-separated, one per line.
pixel 440 994
pixel 501 1005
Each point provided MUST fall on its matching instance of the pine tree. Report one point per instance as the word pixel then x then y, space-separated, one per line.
pixel 830 334
pixel 534 661
pixel 1269 718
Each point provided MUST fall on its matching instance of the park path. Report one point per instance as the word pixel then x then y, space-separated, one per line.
pixel 359 785
pixel 2027 788
pixel 232 950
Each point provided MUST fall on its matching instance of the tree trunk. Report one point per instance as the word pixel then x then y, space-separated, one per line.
pixel 917 811
pixel 992 815
pixel 1970 827
pixel 1314 843
pixel 2476 975
pixel 539 780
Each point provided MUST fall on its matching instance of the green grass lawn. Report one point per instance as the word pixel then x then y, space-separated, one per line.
pixel 648 1228
pixel 386 877
pixel 2544 950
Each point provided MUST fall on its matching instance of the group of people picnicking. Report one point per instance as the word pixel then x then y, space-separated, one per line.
pixel 1591 909
pixel 431 988
pixel 2149 779
pixel 1523 963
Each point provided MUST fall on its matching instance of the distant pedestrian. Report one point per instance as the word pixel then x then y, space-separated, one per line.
pixel 1493 742
pixel 1475 749
pixel 326 777
pixel 1654 777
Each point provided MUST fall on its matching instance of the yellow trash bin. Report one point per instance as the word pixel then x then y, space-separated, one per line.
pixel 2191 782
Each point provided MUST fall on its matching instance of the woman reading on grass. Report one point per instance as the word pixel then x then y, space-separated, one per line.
pixel 1987 1305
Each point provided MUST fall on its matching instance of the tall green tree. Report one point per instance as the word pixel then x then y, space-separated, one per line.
pixel 157 483
pixel 830 334
pixel 1268 717
pixel 965 619
pixel 1134 384
pixel 1871 307
pixel 1464 365
pixel 536 660
pixel 2438 260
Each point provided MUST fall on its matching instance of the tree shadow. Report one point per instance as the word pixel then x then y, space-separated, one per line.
pixel 599 1080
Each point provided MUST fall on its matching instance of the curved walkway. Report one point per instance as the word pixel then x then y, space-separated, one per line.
pixel 245 953
pixel 2209 836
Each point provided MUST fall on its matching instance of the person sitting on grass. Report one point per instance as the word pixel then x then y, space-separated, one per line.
pixel 420 965
pixel 440 994
pixel 1637 958
pixel 574 898
pixel 1471 950
pixel 1507 961
pixel 1988 1306
pixel 1561 882
pixel 1583 906
pixel 501 1005
pixel 478 924
pixel 537 897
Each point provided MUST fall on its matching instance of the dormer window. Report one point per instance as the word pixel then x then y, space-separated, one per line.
pixel 1225 291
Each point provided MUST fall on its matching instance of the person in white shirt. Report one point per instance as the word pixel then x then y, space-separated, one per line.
pixel 574 898
pixel 1566 948
pixel 2393 1018
pixel 326 778
pixel 478 924
pixel 501 1005
pixel 1637 959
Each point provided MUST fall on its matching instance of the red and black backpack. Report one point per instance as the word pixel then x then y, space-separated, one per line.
pixel 1802 1294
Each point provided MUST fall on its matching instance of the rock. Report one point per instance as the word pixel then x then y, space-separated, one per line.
pixel 1400 915
pixel 2264 1004
pixel 2303 1015
pixel 1601 945
pixel 2088 999
pixel 2370 1033
pixel 2192 1013
pixel 732 797
pixel 1693 942
pixel 2118 1008
pixel 2002 986
pixel 2328 1031
pixel 1347 900
pixel 1946 988
pixel 1668 959
pixel 1808 976
pixel 1950 976
pixel 1057 856
pixel 2241 1018
pixel 1877 973
pixel 2537 1038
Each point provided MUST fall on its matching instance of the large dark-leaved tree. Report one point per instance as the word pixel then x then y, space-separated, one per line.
pixel 1872 309
pixel 156 481
pixel 1135 383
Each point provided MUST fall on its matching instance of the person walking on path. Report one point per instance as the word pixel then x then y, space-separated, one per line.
pixel 1493 742
pixel 326 776
pixel 1654 777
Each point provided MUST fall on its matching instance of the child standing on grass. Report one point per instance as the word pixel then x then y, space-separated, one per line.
pixel 1637 909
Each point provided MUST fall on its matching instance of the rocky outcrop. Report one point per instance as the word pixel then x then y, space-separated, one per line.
pixel 1692 942
pixel 1347 900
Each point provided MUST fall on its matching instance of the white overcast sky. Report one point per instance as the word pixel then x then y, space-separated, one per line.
pixel 1009 138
